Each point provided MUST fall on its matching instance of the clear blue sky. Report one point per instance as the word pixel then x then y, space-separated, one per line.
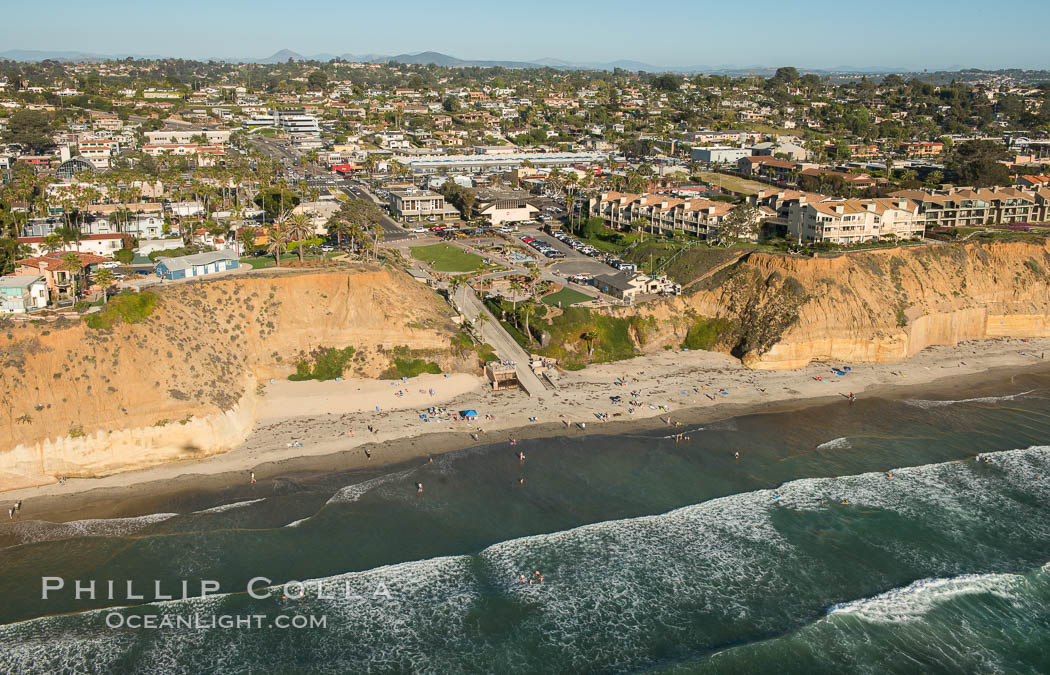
pixel 814 33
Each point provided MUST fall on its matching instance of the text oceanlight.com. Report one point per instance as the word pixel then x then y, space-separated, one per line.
pixel 213 621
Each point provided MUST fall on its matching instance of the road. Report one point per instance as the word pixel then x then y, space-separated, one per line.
pixel 494 334
pixel 391 230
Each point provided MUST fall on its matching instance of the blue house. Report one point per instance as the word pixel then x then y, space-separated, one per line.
pixel 197 265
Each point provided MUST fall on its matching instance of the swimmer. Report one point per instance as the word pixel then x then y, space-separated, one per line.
pixel 252 479
pixel 890 475
pixel 521 481
pixel 736 455
pixel 368 453
pixel 521 457
pixel 419 488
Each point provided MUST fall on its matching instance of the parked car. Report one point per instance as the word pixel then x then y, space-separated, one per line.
pixel 109 265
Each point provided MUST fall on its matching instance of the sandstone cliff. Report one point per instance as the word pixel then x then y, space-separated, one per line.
pixel 885 305
pixel 182 383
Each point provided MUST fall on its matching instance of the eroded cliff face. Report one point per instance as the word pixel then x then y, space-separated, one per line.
pixel 181 384
pixel 884 305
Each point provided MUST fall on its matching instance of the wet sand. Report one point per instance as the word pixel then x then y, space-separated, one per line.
pixel 305 428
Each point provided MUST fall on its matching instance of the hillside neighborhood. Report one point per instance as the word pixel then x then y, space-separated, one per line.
pixel 523 183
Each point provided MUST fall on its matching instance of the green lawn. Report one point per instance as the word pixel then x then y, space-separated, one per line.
pixel 448 258
pixel 733 183
pixel 567 297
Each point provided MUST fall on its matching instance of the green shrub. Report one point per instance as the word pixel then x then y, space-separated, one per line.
pixel 325 363
pixel 705 333
pixel 130 308
pixel 406 363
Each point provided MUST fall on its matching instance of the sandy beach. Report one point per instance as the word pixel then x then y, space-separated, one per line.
pixel 318 426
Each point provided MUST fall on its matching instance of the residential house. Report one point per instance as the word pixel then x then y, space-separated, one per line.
pixel 52 267
pixel 22 293
pixel 196 265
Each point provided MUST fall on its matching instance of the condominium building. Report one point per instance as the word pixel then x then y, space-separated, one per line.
pixel 853 221
pixel 660 213
pixel 186 136
pixel 962 207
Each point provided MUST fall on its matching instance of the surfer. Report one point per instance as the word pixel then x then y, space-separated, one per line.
pixel 736 455
pixel 521 457
pixel 419 488
pixel 252 479
pixel 368 453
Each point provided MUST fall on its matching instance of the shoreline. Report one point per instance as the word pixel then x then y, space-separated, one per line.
pixel 941 372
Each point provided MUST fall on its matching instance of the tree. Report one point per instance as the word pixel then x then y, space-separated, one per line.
pixel 450 104
pixel 277 240
pixel 318 80
pixel 590 336
pixel 29 127
pixel 125 255
pixel 785 75
pixel 104 278
pixel 71 263
pixel 528 308
pixel 977 164
pixel 299 228
pixel 667 82
pixel 52 242
pixel 741 223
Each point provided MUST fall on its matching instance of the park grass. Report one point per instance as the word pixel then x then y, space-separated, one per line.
pixel 733 183
pixel 448 258
pixel 566 297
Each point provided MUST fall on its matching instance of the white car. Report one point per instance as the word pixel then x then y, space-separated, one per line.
pixel 109 265
pixel 420 230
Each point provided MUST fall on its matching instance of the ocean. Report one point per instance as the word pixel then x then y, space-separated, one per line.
pixel 657 554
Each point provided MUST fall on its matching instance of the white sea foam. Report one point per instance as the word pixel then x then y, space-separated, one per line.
pixel 351 493
pixel 835 444
pixel 232 505
pixel 34 531
pixel 611 590
pixel 915 600
pixel 927 404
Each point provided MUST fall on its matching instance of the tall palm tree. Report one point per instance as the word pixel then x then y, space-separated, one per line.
pixel 277 240
pixel 104 278
pixel 71 263
pixel 299 228
pixel 527 310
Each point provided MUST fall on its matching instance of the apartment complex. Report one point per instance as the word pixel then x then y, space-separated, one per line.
pixel 853 221
pixel 661 213
pixel 970 207
pixel 418 205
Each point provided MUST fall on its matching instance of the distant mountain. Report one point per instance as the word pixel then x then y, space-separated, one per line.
pixel 33 56
pixel 281 57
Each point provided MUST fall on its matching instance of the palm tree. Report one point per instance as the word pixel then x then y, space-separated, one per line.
pixel 299 228
pixel 527 310
pixel 589 336
pixel 515 289
pixel 277 240
pixel 71 263
pixel 105 279
pixel 52 242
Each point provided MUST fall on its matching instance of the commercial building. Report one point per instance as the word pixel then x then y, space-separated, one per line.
pixel 499 162
pixel 501 211
pixel 719 154
pixel 186 136
pixel 417 205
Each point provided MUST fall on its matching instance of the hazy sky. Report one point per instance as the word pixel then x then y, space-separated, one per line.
pixel 814 34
